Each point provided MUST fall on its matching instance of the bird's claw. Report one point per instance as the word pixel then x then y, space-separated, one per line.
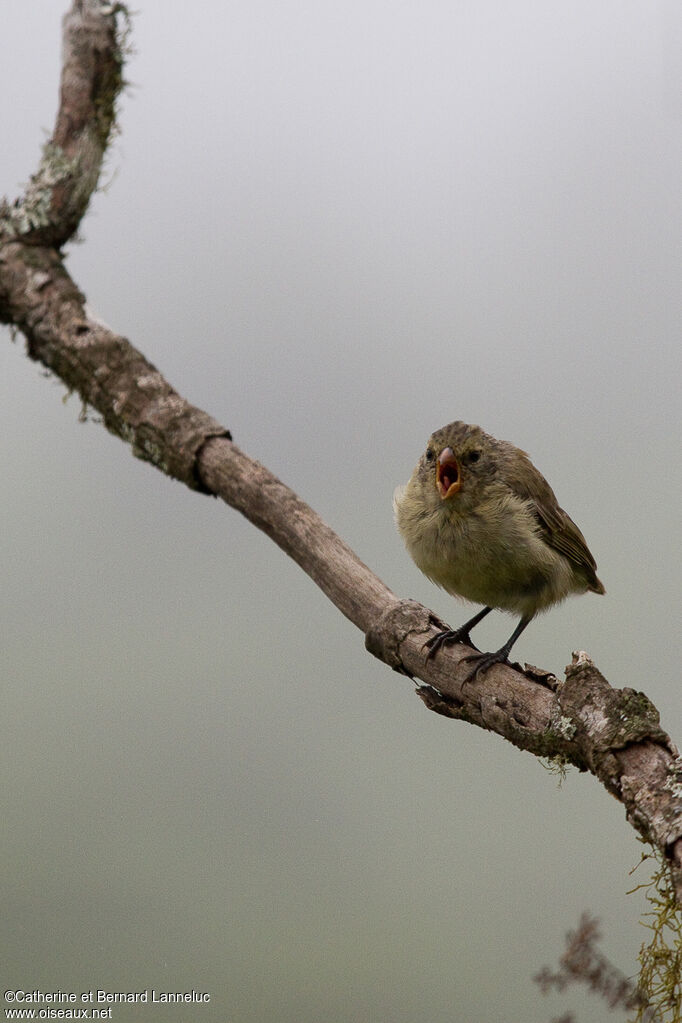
pixel 483 662
pixel 447 638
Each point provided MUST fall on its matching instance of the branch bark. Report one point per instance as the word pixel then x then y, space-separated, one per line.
pixel 613 733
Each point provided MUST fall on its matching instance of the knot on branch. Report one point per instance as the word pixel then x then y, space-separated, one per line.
pixel 400 620
pixel 606 719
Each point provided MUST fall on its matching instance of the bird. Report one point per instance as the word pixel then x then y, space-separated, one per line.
pixel 483 523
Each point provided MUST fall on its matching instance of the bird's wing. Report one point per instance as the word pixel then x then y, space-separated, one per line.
pixel 557 527
pixel 561 532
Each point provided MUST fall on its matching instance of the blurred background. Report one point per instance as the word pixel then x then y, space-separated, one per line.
pixel 336 227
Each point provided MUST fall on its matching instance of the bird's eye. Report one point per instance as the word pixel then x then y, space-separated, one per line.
pixel 473 456
pixel 430 454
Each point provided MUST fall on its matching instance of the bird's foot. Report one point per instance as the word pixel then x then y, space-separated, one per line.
pixel 447 638
pixel 482 662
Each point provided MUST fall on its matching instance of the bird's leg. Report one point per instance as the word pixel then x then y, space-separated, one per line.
pixel 485 661
pixel 450 636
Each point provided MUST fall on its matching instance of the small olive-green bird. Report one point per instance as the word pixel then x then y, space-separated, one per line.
pixel 480 520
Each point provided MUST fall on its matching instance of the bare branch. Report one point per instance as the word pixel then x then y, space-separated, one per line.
pixel 613 733
pixel 137 403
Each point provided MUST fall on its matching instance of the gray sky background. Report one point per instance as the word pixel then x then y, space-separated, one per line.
pixel 336 227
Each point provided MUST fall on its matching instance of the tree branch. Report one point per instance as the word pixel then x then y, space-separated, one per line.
pixel 613 733
pixel 58 193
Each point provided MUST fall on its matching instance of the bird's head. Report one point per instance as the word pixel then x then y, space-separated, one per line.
pixel 456 464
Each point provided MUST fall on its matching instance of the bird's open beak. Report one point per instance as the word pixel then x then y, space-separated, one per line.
pixel 448 479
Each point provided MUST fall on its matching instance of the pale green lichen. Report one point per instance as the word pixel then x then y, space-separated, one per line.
pixel 566 727
pixel 673 782
pixel 561 730
pixel 33 210
pixel 660 976
pixel 557 765
pixel 150 452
